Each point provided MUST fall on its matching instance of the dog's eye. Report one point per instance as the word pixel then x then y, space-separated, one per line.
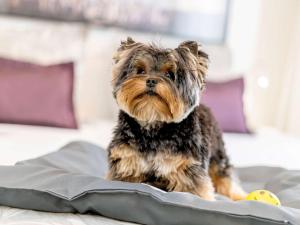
pixel 140 71
pixel 170 75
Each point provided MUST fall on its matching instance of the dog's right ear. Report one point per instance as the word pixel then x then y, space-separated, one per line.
pixel 128 43
pixel 122 56
pixel 125 45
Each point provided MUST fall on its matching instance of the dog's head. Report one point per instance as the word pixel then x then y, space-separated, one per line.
pixel 158 85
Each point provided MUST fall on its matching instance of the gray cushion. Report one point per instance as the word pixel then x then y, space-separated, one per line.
pixel 71 180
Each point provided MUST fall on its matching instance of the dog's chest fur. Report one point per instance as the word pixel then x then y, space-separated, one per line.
pixel 174 138
pixel 164 163
pixel 160 168
pixel 161 151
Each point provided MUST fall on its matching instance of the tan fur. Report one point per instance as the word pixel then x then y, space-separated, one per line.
pixel 175 104
pixel 225 185
pixel 166 106
pixel 168 66
pixel 173 168
pixel 131 167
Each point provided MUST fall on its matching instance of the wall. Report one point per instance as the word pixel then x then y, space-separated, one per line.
pixel 262 41
pixel 260 37
pixel 289 101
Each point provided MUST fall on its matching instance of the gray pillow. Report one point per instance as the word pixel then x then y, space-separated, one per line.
pixel 71 180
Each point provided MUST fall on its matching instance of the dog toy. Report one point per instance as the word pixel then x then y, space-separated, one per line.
pixel 263 196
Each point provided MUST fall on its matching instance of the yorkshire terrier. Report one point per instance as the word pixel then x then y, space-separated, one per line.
pixel 164 136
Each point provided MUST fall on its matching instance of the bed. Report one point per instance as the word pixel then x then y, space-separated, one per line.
pixel 21 142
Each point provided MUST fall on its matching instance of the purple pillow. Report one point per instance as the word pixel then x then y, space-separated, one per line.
pixel 225 99
pixel 36 95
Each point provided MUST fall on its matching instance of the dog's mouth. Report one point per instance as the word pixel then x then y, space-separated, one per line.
pixel 148 92
pixel 151 92
pixel 152 105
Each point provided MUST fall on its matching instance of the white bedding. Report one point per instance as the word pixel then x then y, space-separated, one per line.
pixel 12 216
pixel 266 147
pixel 20 142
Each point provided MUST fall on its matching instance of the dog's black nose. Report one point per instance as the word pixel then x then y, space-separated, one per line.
pixel 151 83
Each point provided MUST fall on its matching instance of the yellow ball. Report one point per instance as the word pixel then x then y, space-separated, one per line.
pixel 264 196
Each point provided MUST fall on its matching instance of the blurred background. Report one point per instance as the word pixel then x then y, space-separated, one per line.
pixel 253 77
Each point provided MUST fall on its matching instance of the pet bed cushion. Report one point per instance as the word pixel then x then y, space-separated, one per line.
pixel 71 180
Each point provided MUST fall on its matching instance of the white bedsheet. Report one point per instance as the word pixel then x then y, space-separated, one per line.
pixel 20 142
pixel 267 147
pixel 12 216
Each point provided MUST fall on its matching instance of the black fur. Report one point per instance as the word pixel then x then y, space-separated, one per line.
pixel 165 137
pixel 198 135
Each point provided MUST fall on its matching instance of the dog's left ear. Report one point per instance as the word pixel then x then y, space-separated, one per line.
pixel 201 56
pixel 193 46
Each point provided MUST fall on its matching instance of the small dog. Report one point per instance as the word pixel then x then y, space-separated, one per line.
pixel 164 136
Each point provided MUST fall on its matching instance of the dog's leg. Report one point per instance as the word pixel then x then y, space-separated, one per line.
pixel 202 187
pixel 220 169
pixel 224 183
pixel 126 164
pixel 183 174
pixel 187 181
